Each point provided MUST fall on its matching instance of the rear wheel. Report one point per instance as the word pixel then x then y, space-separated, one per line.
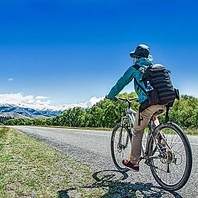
pixel 120 145
pixel 173 163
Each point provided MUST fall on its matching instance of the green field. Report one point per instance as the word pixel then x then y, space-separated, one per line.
pixel 31 169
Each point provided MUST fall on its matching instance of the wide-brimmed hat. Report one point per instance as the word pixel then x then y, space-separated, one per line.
pixel 141 50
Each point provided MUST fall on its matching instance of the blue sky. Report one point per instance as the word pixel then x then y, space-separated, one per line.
pixel 69 51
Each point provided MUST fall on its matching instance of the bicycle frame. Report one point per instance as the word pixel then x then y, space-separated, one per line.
pixel 129 117
pixel 130 113
pixel 129 120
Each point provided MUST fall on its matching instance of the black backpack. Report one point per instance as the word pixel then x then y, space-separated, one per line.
pixel 159 86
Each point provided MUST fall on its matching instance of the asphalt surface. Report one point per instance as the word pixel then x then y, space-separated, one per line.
pixel 93 149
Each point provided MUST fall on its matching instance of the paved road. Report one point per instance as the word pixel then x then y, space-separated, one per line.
pixel 93 148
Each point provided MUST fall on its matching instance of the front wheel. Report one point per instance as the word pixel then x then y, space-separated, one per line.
pixel 120 145
pixel 172 162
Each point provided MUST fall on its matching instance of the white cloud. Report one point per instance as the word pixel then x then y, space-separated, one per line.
pixel 41 102
pixel 89 103
pixel 10 79
pixel 94 100
pixel 26 101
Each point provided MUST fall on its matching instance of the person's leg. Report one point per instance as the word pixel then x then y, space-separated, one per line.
pixel 145 117
pixel 138 128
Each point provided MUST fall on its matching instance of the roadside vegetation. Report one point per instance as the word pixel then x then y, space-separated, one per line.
pixel 106 113
pixel 31 169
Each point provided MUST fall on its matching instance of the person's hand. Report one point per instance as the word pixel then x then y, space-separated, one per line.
pixel 106 97
pixel 114 99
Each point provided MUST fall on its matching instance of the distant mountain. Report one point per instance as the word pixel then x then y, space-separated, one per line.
pixel 14 111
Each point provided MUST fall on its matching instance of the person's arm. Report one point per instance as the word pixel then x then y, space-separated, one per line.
pixel 121 83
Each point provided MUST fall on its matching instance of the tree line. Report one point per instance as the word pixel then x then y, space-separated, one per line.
pixel 3 118
pixel 107 113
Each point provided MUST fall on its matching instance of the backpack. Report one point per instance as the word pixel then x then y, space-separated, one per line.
pixel 159 87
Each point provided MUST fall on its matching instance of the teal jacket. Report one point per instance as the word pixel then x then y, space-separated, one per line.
pixel 128 76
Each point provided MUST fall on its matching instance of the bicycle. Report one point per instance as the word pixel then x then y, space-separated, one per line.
pixel 170 163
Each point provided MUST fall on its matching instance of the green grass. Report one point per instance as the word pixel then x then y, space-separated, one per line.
pixel 30 168
pixel 192 131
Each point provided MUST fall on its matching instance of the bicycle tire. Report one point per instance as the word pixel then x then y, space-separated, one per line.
pixel 120 145
pixel 173 171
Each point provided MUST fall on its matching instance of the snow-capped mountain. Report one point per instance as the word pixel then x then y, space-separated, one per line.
pixel 31 108
pixel 9 110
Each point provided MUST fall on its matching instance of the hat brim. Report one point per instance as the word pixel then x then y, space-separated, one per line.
pixel 133 55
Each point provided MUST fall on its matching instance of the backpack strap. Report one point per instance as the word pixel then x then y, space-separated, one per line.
pixel 136 66
pixel 168 107
pixel 141 69
pixel 145 104
pixel 140 86
pixel 142 107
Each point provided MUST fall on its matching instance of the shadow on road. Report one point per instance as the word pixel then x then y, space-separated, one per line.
pixel 112 181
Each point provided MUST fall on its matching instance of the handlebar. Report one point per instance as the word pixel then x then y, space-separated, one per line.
pixel 128 100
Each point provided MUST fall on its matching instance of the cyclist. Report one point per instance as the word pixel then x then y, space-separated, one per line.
pixel 141 56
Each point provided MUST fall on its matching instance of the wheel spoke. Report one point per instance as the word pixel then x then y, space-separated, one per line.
pixel 120 146
pixel 172 169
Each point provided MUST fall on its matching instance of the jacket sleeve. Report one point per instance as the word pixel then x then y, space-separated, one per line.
pixel 121 83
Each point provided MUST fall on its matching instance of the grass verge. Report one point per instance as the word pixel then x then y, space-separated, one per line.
pixel 31 169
